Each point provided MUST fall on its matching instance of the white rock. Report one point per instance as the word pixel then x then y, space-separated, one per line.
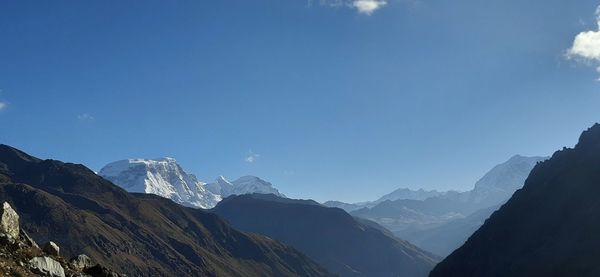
pixel 81 262
pixel 9 221
pixel 47 266
pixel 51 248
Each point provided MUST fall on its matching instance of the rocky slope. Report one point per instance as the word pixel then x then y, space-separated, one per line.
pixel 330 236
pixel 137 234
pixel 551 227
pixel 20 255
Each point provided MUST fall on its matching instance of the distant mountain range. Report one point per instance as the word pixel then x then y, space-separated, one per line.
pixel 550 227
pixel 165 177
pixel 137 234
pixel 420 216
pixel 437 221
pixel 399 194
pixel 342 244
pixel 408 194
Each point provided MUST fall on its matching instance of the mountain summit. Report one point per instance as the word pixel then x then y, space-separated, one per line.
pixel 243 185
pixel 165 177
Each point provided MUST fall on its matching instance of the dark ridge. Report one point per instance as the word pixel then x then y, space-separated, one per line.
pixel 273 198
pixel 330 236
pixel 551 227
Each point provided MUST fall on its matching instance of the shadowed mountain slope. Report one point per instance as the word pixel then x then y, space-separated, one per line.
pixel 330 236
pixel 137 234
pixel 551 227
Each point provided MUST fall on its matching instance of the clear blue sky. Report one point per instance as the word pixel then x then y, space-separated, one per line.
pixel 331 103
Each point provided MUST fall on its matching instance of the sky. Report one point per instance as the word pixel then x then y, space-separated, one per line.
pixel 344 100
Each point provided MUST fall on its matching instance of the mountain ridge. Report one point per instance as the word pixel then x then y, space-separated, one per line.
pixel 342 244
pixel 137 234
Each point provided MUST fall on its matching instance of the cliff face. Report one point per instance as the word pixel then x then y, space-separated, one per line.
pixel 136 234
pixel 551 227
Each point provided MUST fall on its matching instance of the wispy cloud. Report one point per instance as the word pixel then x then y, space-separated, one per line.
pixel 366 7
pixel 586 46
pixel 85 117
pixel 251 157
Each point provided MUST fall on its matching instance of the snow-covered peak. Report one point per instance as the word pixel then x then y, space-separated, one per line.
pixel 504 179
pixel 163 177
pixel 253 184
pixel 243 185
pixel 220 186
pixel 222 180
pixel 116 168
pixel 166 160
pixel 409 194
pixel 166 178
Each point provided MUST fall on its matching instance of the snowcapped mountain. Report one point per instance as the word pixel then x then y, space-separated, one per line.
pixel 243 185
pixel 348 207
pixel 221 187
pixel 166 178
pixel 399 194
pixel 163 177
pixel 409 194
pixel 503 180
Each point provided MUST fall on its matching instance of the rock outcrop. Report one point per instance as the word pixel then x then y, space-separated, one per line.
pixel 46 266
pixel 51 248
pixel 81 262
pixel 9 221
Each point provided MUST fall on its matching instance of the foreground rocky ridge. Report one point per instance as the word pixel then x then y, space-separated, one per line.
pixel 20 255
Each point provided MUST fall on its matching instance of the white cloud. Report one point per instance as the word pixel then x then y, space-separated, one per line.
pixel 3 105
pixel 368 7
pixel 586 45
pixel 85 117
pixel 252 157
